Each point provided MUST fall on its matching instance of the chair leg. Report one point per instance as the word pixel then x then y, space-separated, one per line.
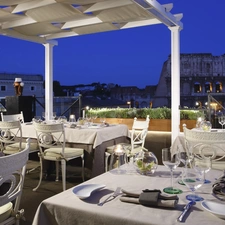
pixel 63 166
pixel 57 170
pixel 82 158
pixel 41 174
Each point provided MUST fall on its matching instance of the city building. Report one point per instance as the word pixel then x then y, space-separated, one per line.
pixel 201 75
pixel 33 84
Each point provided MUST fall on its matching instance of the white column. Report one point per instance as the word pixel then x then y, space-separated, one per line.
pixel 48 80
pixel 175 82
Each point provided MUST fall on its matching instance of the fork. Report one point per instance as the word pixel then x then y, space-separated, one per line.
pixel 114 195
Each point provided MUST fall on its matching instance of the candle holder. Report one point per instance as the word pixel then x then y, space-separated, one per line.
pixel 118 156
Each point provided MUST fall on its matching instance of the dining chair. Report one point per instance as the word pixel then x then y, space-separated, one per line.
pixel 137 140
pixel 13 170
pixel 202 144
pixel 11 138
pixel 13 117
pixel 51 141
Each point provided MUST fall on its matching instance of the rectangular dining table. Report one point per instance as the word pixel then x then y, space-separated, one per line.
pixel 93 139
pixel 67 208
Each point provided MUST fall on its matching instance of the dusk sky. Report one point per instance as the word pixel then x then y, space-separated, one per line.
pixel 130 57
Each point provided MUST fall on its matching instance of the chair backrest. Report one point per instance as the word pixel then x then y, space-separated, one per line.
pixel 139 132
pixel 13 117
pixel 10 133
pixel 12 174
pixel 50 135
pixel 206 145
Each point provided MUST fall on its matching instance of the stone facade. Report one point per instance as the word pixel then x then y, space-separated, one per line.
pixel 135 97
pixel 33 85
pixel 200 74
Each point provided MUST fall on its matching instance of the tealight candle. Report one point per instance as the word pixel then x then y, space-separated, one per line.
pixel 119 150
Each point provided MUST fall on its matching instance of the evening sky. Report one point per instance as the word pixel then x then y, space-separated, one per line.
pixel 130 57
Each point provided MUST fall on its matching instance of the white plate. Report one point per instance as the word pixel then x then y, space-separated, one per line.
pixel 85 190
pixel 215 208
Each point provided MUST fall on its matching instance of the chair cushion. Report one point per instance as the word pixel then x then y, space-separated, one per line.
pixel 56 153
pixel 5 211
pixel 13 148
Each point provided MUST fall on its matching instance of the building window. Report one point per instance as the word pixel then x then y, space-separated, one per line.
pixel 3 88
pixel 197 87
pixel 33 88
pixel 218 87
pixel 208 87
pixel 208 68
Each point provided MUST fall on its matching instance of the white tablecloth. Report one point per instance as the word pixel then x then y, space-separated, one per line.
pixel 67 208
pixel 94 136
pixel 93 140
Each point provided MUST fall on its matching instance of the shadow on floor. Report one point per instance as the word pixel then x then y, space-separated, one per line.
pixel 49 187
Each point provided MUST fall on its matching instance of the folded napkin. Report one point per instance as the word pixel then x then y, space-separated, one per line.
pixel 218 188
pixel 152 198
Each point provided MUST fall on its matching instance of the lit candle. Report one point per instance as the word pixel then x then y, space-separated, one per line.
pixel 83 113
pixel 118 150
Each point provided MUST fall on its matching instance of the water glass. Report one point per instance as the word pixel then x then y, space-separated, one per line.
pixel 171 162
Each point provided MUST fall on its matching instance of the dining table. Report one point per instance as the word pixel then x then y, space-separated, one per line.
pixel 94 139
pixel 70 207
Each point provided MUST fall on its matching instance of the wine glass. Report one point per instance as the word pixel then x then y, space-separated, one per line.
pixel 221 120
pixel 43 115
pixel 102 120
pixel 54 115
pixel 171 162
pixel 193 179
pixel 202 165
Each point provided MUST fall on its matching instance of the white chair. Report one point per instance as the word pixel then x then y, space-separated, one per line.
pixel 11 139
pixel 51 140
pixel 137 137
pixel 13 117
pixel 12 170
pixel 206 145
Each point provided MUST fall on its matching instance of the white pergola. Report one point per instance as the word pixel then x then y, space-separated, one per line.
pixel 45 21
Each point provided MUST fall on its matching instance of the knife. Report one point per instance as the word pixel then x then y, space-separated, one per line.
pixel 185 210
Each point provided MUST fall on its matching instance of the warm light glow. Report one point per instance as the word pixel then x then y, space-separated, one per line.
pixel 119 150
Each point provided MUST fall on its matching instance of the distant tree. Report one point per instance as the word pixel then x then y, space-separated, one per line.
pixel 57 89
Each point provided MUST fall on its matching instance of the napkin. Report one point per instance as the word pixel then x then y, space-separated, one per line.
pixel 218 188
pixel 151 198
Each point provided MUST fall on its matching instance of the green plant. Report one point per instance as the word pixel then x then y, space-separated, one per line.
pixel 154 113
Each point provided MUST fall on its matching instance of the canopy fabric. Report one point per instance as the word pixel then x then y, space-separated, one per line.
pixel 45 20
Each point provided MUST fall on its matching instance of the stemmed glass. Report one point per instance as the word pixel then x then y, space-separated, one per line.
pixel 54 115
pixel 193 179
pixel 102 120
pixel 171 162
pixel 43 115
pixel 221 120
pixel 203 166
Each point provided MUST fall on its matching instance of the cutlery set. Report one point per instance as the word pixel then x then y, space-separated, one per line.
pixel 111 197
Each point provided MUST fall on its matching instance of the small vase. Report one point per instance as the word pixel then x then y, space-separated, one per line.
pixel 206 126
pixel 146 163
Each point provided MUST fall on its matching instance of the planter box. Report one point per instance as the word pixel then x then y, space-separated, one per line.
pixel 155 124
